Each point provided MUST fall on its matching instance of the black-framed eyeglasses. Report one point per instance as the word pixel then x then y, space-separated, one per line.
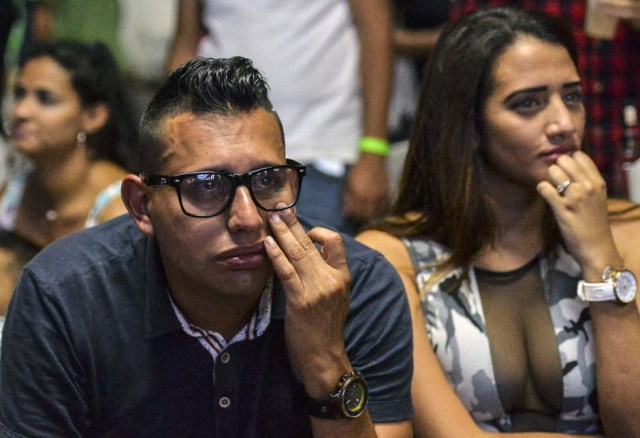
pixel 206 194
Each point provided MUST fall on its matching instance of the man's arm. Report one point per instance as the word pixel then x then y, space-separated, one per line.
pixel 317 287
pixel 42 20
pixel 186 36
pixel 415 43
pixel 367 191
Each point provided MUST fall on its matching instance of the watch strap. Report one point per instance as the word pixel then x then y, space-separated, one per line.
pixel 596 292
pixel 327 409
pixel 332 408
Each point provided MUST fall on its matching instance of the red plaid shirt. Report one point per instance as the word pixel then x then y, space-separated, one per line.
pixel 610 72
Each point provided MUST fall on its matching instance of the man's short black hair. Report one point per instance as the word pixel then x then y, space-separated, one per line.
pixel 221 86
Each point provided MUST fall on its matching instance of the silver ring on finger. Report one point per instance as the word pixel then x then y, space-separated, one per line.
pixel 562 188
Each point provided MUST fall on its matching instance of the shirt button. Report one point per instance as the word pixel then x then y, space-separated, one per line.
pixel 224 402
pixel 224 357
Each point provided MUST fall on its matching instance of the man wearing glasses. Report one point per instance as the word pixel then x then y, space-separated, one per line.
pixel 210 310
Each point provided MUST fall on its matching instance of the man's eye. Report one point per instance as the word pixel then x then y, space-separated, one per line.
pixel 269 180
pixel 204 186
pixel 208 185
pixel 265 181
pixel 211 185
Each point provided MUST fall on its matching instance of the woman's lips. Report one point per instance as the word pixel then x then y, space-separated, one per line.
pixel 552 155
pixel 19 132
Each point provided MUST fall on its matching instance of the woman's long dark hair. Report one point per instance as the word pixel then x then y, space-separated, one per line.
pixel 441 189
pixel 97 80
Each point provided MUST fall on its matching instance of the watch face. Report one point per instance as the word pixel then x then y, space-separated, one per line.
pixel 626 287
pixel 355 397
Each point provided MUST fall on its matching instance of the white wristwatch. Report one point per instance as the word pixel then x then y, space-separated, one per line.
pixel 617 285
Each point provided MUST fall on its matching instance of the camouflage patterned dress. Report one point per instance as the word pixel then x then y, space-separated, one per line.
pixel 456 326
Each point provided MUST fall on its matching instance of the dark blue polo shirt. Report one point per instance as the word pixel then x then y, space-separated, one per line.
pixel 92 347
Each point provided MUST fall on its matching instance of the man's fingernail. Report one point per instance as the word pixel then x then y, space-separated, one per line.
pixel 274 216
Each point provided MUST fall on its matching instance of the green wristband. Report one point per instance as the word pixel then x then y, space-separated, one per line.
pixel 375 146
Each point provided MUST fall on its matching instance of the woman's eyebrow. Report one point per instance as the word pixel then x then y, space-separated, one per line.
pixel 575 84
pixel 526 91
pixel 572 84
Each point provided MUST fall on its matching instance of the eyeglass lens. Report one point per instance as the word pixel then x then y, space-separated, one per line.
pixel 208 194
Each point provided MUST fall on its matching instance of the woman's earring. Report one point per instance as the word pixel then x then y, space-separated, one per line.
pixel 81 139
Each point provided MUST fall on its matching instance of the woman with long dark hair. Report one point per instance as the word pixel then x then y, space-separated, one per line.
pixel 520 278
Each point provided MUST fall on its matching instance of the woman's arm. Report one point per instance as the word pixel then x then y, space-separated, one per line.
pixel 583 219
pixel 107 179
pixel 15 252
pixel 439 413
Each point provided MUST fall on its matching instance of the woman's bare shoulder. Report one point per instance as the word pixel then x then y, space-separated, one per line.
pixel 624 217
pixel 623 214
pixel 379 240
pixel 623 208
pixel 392 247
pixel 104 173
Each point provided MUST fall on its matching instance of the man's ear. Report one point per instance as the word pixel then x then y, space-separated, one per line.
pixel 136 201
pixel 95 117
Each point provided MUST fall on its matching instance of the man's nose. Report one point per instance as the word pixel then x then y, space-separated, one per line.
pixel 243 212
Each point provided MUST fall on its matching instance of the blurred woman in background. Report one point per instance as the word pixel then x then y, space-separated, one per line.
pixel 70 117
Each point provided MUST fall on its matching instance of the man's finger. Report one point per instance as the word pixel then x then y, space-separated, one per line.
pixel 296 228
pixel 332 247
pixel 292 238
pixel 281 265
